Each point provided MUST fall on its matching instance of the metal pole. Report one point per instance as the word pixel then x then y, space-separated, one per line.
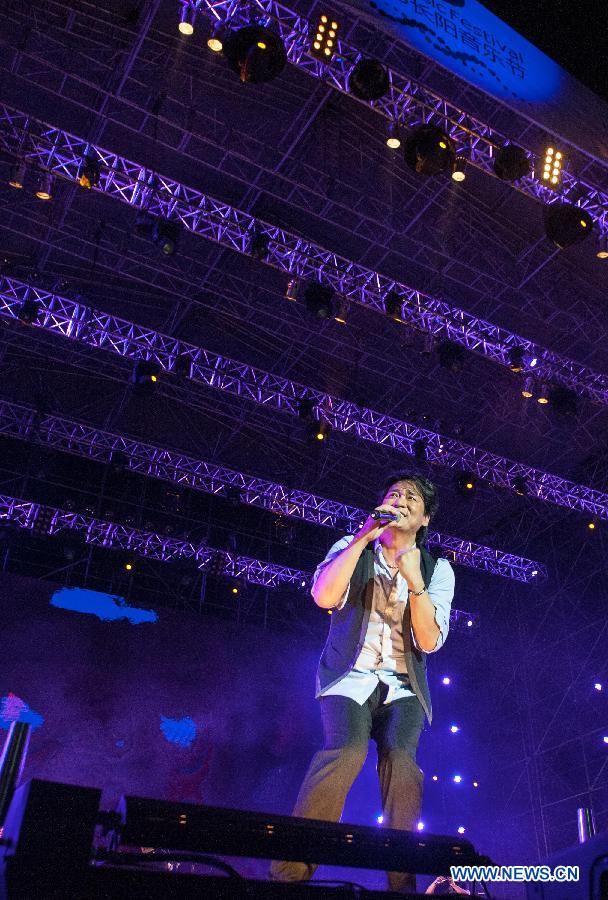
pixel 12 762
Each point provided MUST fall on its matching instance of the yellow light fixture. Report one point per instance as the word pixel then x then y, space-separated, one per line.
pixel 324 41
pixel 552 166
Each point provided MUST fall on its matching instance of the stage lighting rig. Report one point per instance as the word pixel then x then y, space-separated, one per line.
pixel 255 53
pixel 218 37
pixel 393 138
pixel 543 395
pixel 165 235
pixel 319 432
pixel 182 366
pixel 428 150
pixel 324 44
pixel 145 375
pixel 17 177
pixel 520 485
pixel 187 19
pixel 45 186
pixel 528 389
pixel 552 167
pixel 368 80
pixel 602 247
pixel 258 244
pixel 393 306
pixel 511 163
pixel 89 173
pixel 466 484
pixel 319 299
pixel 342 313
pixel 29 312
pixel 291 291
pixel 458 169
pixel 567 225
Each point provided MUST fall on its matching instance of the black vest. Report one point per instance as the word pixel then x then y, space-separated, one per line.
pixel 349 625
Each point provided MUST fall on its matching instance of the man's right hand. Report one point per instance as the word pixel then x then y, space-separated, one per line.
pixel 373 528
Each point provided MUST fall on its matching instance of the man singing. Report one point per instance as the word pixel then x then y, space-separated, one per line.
pixel 390 602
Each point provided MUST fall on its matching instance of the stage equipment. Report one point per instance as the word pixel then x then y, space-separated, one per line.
pixel 319 299
pixel 368 80
pixel 543 395
pixel 552 168
pixel 291 291
pixel 511 163
pixel 393 306
pixel 29 311
pixel 319 431
pixel 566 224
pixel 255 53
pixel 187 19
pixel 520 485
pixel 258 244
pixel 428 150
pixel 183 365
pixel 466 484
pixel 528 389
pixel 324 44
pixel 591 857
pixel 45 186
pixel 516 359
pixel 342 313
pixel 12 762
pixel 89 173
pixel 17 177
pixel 226 225
pixel 458 170
pixel 209 829
pixel 393 139
pixel 218 36
pixel 145 374
pixel 602 247
pixel 165 235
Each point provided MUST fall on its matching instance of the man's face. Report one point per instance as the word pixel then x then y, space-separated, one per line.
pixel 405 496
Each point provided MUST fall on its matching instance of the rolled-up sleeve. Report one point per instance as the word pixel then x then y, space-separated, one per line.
pixel 334 550
pixel 441 592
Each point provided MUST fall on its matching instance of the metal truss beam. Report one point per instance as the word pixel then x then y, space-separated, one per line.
pixel 407 101
pixel 142 188
pixel 70 319
pixel 22 422
pixel 101 533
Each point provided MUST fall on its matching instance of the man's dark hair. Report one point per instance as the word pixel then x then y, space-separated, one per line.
pixel 427 491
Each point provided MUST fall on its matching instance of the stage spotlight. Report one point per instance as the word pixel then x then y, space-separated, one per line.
pixel 17 177
pixel 543 395
pixel 164 235
pixel 325 36
pixel 129 566
pixel 461 829
pixel 258 244
pixel 342 313
pixel 451 357
pixel 466 486
pixel 591 525
pixel 319 299
pixel 183 365
pixel 454 729
pixel 187 19
pixel 255 53
pixel 419 448
pixel 528 389
pixel 218 37
pixel 29 312
pixel 428 150
pixel 552 167
pixel 145 375
pixel 511 163
pixel 566 224
pixel 393 139
pixel 602 247
pixel 420 826
pixel 393 306
pixel 291 291
pixel 516 359
pixel 319 431
pixel 368 80
pixel 457 779
pixel 306 408
pixel 598 686
pixel 89 173
pixel 520 485
pixel 458 173
pixel 45 186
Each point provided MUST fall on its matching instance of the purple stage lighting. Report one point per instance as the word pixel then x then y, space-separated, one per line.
pixel 461 829
pixel 457 779
pixel 445 679
pixel 420 826
pixel 597 686
pixel 379 819
pixel 605 738
pixel 454 729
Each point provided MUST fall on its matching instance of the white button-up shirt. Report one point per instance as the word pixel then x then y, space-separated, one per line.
pixel 382 655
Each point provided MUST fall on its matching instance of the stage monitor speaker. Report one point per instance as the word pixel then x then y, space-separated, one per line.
pixel 591 857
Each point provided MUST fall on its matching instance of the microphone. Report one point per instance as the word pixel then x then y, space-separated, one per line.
pixel 390 517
